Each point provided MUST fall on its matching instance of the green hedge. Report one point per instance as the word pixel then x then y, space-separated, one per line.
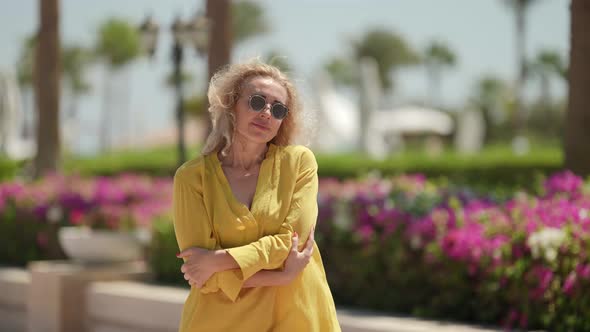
pixel 9 168
pixel 496 166
pixel 163 250
pixel 155 162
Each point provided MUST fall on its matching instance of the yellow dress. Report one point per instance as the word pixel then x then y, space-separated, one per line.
pixel 207 215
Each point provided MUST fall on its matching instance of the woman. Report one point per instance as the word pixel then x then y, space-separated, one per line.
pixel 242 209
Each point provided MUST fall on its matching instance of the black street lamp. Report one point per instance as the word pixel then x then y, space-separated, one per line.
pixel 191 33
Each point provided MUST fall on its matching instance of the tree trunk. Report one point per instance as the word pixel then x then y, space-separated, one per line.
pixel 519 114
pixel 577 122
pixel 434 85
pixel 218 11
pixel 177 59
pixel 106 115
pixel 220 38
pixel 47 88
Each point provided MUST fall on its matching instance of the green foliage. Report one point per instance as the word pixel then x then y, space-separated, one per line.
pixel 495 167
pixel 163 252
pixel 342 71
pixel 26 62
pixel 489 90
pixel 118 42
pixel 548 62
pixel 547 119
pixel 75 59
pixel 247 20
pixel 157 162
pixel 515 4
pixel 196 105
pixel 24 239
pixel 185 77
pixel 18 239
pixel 438 54
pixel 389 50
pixel 9 168
pixel 274 58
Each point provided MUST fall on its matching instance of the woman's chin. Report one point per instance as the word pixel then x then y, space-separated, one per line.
pixel 259 136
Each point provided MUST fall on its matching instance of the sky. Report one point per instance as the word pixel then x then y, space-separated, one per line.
pixel 308 33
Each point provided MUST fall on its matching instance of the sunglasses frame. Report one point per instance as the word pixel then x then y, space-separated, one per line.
pixel 266 103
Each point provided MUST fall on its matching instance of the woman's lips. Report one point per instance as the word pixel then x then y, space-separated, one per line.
pixel 260 126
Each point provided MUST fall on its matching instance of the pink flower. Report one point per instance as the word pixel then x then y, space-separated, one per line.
pixel 564 182
pixel 583 270
pixel 543 275
pixel 76 217
pixel 569 284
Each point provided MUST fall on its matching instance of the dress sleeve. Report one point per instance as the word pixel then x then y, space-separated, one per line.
pixel 269 252
pixel 192 227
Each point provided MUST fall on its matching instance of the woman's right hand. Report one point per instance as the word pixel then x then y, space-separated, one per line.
pixel 298 260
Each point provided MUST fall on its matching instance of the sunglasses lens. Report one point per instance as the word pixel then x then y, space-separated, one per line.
pixel 279 111
pixel 257 103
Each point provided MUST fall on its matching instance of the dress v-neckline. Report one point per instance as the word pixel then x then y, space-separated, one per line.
pixel 262 176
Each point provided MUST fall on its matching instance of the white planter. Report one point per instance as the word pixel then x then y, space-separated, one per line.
pixel 101 246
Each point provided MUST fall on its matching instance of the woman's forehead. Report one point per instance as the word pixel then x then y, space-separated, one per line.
pixel 268 87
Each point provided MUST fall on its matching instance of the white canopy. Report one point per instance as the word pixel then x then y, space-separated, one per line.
pixel 412 120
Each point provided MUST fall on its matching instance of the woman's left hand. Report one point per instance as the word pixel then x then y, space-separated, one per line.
pixel 199 265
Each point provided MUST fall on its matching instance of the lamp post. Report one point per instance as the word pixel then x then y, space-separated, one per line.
pixel 193 33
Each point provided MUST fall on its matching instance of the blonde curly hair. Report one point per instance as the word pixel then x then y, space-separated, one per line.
pixel 225 89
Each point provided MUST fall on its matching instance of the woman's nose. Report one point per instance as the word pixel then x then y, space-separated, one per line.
pixel 266 111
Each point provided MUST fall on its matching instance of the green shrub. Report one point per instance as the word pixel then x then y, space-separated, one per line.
pixel 155 162
pixel 494 168
pixel 8 168
pixel 25 239
pixel 163 250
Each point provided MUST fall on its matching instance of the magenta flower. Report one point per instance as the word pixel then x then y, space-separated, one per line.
pixel 569 284
pixel 565 182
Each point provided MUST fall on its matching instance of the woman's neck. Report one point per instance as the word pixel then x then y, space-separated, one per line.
pixel 245 155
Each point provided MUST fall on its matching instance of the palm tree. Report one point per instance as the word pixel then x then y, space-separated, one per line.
pixel 389 50
pixel 520 7
pixel 75 60
pixel 220 38
pixel 577 133
pixel 247 19
pixel 342 71
pixel 436 57
pixel 118 45
pixel 220 34
pixel 490 94
pixel 47 88
pixel 276 59
pixel 545 66
pixel 25 77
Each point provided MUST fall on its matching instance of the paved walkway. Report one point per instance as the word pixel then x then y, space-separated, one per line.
pixel 352 320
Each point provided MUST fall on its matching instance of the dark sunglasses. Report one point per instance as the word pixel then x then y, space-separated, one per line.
pixel 278 110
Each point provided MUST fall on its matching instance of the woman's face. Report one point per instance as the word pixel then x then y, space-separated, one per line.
pixel 259 127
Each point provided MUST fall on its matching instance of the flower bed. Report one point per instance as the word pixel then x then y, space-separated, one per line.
pixel 407 246
pixel 400 244
pixel 31 214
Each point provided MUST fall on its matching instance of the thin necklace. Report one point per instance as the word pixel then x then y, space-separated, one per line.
pixel 244 172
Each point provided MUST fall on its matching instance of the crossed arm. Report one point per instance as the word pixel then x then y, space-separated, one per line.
pixel 201 264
